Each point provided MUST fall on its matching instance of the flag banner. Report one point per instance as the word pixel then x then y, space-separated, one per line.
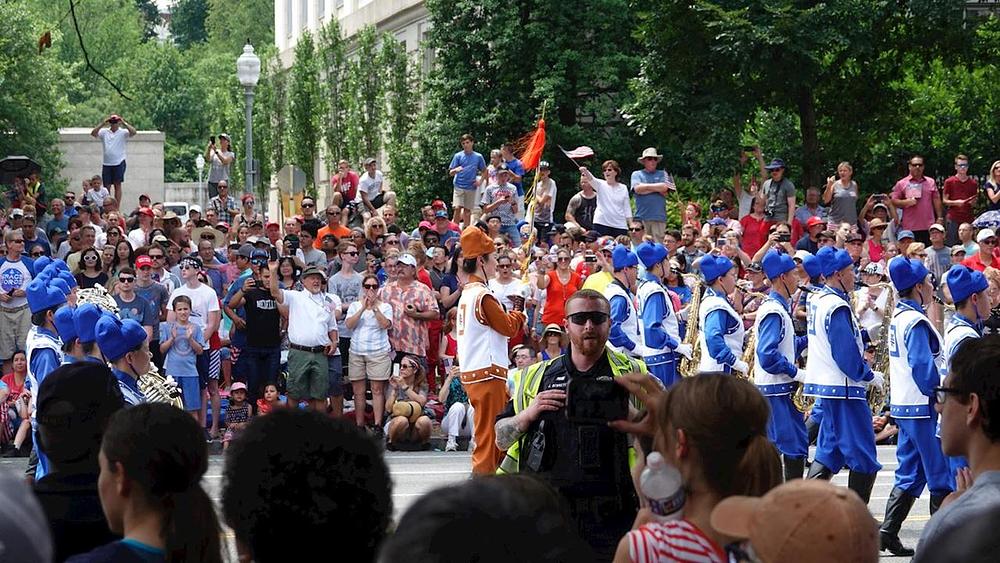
pixel 578 152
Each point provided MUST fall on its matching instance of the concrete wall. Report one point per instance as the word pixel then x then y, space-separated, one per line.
pixel 82 155
pixel 192 193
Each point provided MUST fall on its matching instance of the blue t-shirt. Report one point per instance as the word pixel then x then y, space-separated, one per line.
pixel 126 550
pixel 139 310
pixel 180 359
pixel 472 164
pixel 653 206
pixel 517 167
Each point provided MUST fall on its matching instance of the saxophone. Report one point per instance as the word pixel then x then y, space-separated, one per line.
pixel 689 367
pixel 156 387
pixel 877 396
pixel 750 347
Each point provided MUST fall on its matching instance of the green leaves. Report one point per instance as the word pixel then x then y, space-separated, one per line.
pixel 305 108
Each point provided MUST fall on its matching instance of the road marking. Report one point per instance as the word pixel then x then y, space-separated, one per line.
pixel 436 472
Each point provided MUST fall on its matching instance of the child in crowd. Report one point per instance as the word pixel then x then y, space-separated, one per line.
pixel 270 399
pixel 238 413
pixel 184 342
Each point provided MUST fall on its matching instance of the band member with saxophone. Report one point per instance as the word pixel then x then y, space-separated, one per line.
pixel 721 336
pixel 837 373
pixel 660 329
pixel 774 364
pixel 625 336
pixel 916 358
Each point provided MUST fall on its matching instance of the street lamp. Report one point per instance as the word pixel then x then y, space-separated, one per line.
pixel 248 72
pixel 199 163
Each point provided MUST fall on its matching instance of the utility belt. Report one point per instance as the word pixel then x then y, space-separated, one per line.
pixel 572 458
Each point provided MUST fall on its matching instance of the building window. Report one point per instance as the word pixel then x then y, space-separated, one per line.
pixel 320 9
pixel 303 14
pixel 288 18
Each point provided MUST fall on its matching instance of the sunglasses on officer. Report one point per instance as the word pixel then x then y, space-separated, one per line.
pixel 581 318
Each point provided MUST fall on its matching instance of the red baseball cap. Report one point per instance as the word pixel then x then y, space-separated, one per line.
pixel 813 221
pixel 143 260
pixel 272 224
pixel 146 211
pixel 438 203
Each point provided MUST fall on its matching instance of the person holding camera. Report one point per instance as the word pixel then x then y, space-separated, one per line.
pixel 220 157
pixel 114 140
pixel 556 425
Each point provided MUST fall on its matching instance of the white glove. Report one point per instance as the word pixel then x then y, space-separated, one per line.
pixel 741 367
pixel 684 350
pixel 878 380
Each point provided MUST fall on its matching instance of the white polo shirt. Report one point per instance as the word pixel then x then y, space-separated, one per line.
pixel 309 318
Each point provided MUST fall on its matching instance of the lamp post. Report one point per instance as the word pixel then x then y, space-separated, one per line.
pixel 199 163
pixel 248 72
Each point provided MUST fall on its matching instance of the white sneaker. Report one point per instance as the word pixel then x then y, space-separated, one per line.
pixel 472 445
pixel 452 445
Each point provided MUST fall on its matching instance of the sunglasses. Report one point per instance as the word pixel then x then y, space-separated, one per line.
pixel 563 258
pixel 370 286
pixel 408 365
pixel 333 212
pixel 188 267
pixel 37 254
pixel 354 253
pixel 636 229
pixel 17 240
pixel 90 258
pixel 126 280
pixel 207 236
pixel 921 165
pixel 961 166
pixel 392 241
pixel 582 318
pixel 308 205
pixel 503 265
pixel 156 256
pixel 989 242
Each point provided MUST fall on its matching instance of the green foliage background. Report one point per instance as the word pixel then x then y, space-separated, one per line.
pixel 868 81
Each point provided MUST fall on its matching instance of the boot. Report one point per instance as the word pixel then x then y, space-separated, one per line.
pixel 818 471
pixel 896 509
pixel 862 484
pixel 794 467
pixel 936 503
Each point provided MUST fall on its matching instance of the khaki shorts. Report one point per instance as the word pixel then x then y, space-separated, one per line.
pixel 308 375
pixel 655 229
pixel 14 327
pixel 465 198
pixel 376 367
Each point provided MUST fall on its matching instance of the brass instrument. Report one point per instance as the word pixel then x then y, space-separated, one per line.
pixel 156 387
pixel 877 396
pixel 689 367
pixel 750 345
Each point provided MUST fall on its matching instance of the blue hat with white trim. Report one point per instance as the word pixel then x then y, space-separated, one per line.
pixel 714 267
pixel 776 263
pixel 963 282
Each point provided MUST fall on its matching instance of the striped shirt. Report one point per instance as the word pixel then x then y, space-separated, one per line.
pixel 676 540
pixel 368 337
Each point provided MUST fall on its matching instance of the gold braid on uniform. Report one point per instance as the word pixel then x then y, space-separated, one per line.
pixel 156 387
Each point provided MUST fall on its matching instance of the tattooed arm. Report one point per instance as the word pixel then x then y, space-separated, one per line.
pixel 509 430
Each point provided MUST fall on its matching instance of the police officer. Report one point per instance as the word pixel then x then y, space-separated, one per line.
pixel 660 329
pixel 721 335
pixel 916 358
pixel 587 462
pixel 625 335
pixel 774 364
pixel 837 373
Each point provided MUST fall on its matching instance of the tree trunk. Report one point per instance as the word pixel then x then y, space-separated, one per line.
pixel 811 158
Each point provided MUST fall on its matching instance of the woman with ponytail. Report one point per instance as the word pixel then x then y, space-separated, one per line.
pixel 152 460
pixel 713 429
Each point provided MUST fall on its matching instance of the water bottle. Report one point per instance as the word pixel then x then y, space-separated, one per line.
pixel 661 484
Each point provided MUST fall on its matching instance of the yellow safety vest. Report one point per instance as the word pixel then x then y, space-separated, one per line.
pixel 526 384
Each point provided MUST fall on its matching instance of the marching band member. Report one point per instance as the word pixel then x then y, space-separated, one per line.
pixel 625 336
pixel 721 336
pixel 837 373
pixel 915 361
pixel 774 364
pixel 660 329
pixel 813 267
pixel 972 307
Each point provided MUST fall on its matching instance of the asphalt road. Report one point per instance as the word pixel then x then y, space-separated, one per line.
pixel 414 474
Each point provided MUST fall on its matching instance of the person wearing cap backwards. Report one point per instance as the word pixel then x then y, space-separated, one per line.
pixel 125 345
pixel 721 335
pixel 484 327
pixel 220 158
pixel 312 336
pixel 660 328
pixel 43 347
pixel 837 373
pixel 774 371
pixel 114 139
pixel 916 359
pixel 986 257
pixel 625 335
pixel 801 521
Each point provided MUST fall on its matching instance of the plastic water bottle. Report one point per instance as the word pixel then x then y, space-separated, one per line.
pixel 661 484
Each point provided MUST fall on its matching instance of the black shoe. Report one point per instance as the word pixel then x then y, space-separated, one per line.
pixel 378 432
pixel 893 545
pixel 819 471
pixel 897 507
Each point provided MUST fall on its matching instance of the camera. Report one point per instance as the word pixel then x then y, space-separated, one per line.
pixel 595 400
pixel 211 140
pixel 590 257
pixel 784 237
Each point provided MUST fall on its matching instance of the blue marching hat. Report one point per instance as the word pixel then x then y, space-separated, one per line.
pixel 68 278
pixel 622 257
pixel 906 273
pixel 40 264
pixel 116 337
pixel 964 282
pixel 85 320
pixel 776 263
pixel 651 253
pixel 65 326
pixel 61 285
pixel 813 265
pixel 42 296
pixel 714 267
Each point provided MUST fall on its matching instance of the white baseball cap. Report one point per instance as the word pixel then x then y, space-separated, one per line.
pixel 985 234
pixel 408 259
pixel 802 254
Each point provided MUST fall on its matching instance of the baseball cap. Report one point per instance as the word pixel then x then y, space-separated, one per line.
pixel 874 268
pixel 424 225
pixel 191 261
pixel 272 224
pixel 985 234
pixel 222 226
pixel 115 118
pixel 146 211
pixel 936 227
pixel 801 254
pixel 408 259
pixel 855 237
pixel 904 234
pixel 160 238
pixel 755 267
pixel 437 203
pixel 813 221
pixel 245 251
pixel 143 261
pixel 195 208
pixel 238 386
pixel 544 164
pixel 440 213
pixel 224 136
pixel 958 248
pixel 803 520
pixel 591 236
pixel 369 160
pixel 259 257
pixel 882 205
